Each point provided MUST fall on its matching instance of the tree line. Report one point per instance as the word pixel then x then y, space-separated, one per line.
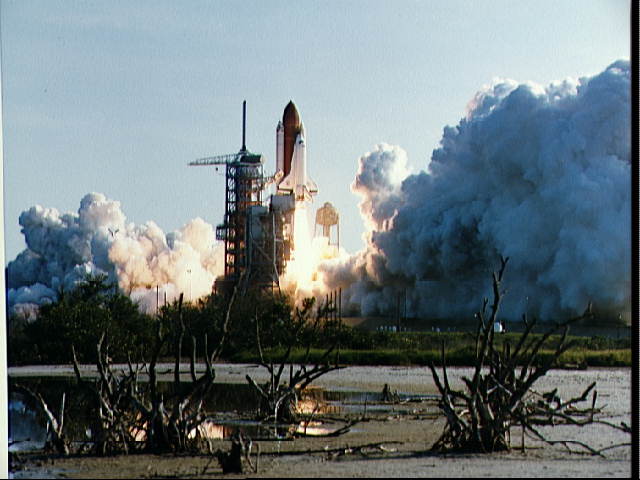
pixel 95 307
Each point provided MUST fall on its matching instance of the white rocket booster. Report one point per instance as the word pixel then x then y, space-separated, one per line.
pixel 280 148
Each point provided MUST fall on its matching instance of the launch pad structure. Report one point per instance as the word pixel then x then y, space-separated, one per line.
pixel 258 235
pixel 251 244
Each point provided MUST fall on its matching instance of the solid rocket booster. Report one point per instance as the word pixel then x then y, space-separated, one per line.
pixel 280 148
pixel 291 156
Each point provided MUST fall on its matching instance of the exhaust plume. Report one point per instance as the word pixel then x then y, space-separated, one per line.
pixel 146 264
pixel 538 174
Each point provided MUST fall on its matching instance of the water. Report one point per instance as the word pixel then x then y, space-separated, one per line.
pixel 231 407
pixel 25 428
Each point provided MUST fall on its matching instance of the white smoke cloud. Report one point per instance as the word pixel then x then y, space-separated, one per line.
pixel 378 183
pixel 539 174
pixel 63 248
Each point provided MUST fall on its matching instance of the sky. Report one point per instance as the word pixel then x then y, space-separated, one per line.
pixel 117 97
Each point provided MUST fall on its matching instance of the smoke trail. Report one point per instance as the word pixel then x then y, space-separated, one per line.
pixel 63 248
pixel 541 175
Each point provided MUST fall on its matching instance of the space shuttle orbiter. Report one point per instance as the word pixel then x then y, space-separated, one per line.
pixel 291 157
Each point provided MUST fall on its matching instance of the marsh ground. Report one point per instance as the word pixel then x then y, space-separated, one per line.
pixel 405 433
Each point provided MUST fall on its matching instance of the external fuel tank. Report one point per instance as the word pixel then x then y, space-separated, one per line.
pixel 291 123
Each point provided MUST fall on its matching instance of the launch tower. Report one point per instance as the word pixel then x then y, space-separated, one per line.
pixel 258 236
pixel 248 228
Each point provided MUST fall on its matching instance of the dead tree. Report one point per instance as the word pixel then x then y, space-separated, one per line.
pixel 56 440
pixel 497 397
pixel 115 427
pixel 279 398
pixel 134 415
pixel 173 429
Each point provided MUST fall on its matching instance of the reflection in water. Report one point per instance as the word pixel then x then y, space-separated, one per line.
pixel 211 431
pixel 313 428
pixel 25 429
pixel 139 432
pixel 312 406
pixel 26 421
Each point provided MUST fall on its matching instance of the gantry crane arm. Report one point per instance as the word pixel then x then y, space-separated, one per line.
pixel 217 160
pixel 243 157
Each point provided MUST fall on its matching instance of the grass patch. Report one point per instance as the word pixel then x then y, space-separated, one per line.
pixel 461 357
pixel 601 358
pixel 353 338
pixel 360 347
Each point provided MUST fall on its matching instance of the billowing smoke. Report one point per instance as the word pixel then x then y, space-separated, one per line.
pixel 147 264
pixel 541 175
pixel 378 183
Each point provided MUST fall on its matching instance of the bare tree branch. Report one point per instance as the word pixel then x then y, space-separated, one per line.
pixel 495 398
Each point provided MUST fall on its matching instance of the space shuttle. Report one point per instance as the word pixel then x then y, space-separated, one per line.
pixel 291 157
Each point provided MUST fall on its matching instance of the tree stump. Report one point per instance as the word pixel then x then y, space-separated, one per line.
pixel 235 459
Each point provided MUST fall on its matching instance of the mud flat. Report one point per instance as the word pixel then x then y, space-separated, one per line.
pixel 399 438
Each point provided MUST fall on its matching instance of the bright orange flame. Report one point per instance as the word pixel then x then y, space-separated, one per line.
pixel 300 275
pixel 301 266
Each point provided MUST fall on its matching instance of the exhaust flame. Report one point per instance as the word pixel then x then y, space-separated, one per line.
pixel 299 272
pixel 301 277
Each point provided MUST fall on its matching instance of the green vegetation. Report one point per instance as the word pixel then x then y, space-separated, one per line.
pixel 574 358
pixel 79 318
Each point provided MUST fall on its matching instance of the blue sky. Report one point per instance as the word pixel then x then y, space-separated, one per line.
pixel 116 97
